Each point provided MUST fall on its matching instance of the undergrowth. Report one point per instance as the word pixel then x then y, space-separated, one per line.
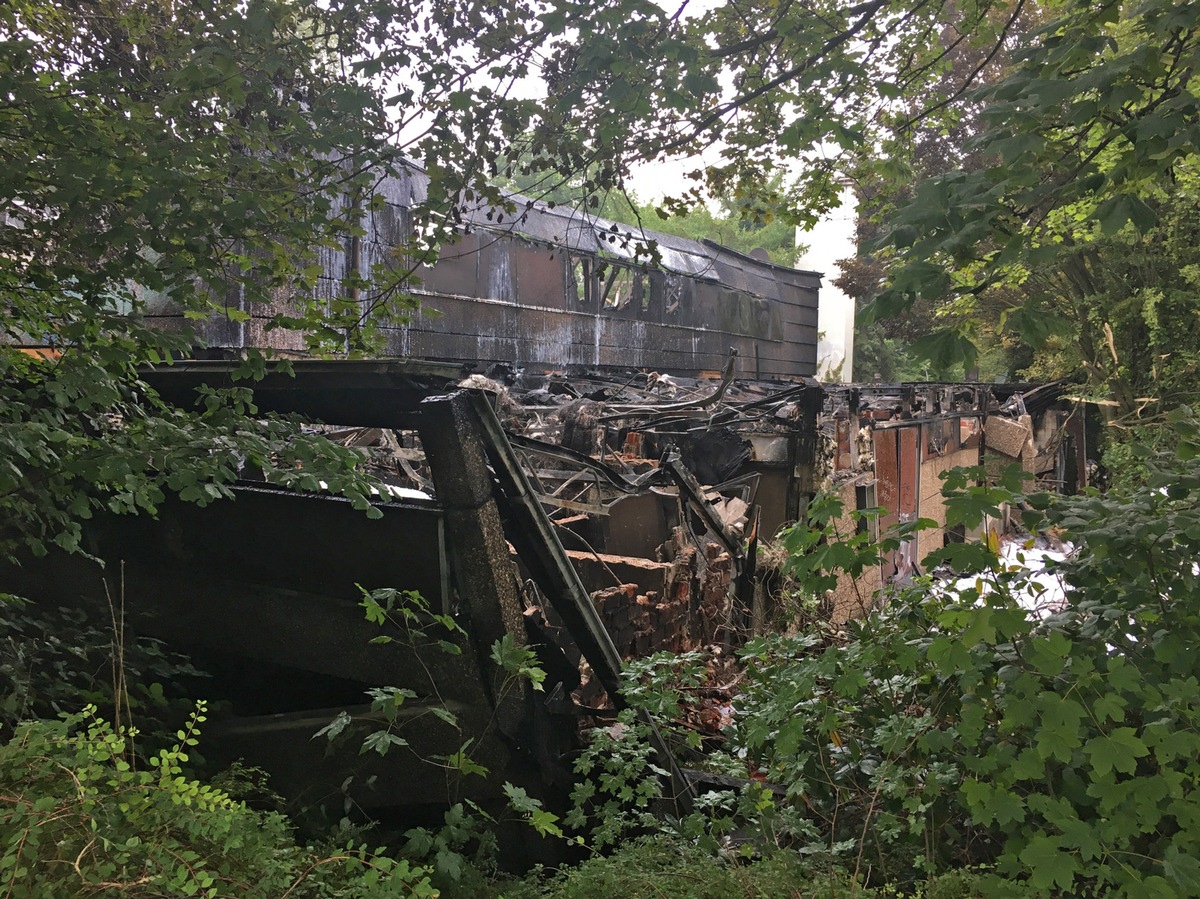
pixel 80 816
pixel 955 730
pixel 663 867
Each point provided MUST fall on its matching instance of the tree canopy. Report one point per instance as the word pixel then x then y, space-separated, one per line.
pixel 995 140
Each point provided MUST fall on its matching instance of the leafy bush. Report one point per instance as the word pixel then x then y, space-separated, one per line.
pixel 952 728
pixel 665 866
pixel 79 817
pixel 620 789
pixel 621 783
pixel 53 659
pixel 662 866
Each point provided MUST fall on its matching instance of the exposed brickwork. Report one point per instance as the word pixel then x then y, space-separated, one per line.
pixel 692 610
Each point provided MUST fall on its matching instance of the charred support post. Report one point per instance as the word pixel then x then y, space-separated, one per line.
pixel 482 569
pixel 802 454
pixel 1078 434
pixel 537 544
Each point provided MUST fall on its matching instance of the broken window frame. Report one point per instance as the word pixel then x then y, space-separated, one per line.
pixel 620 288
pixel 580 291
pixel 972 434
pixel 865 501
pixel 676 298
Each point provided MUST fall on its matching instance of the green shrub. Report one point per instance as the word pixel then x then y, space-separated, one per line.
pixel 663 867
pixel 54 659
pixel 80 817
pixel 953 729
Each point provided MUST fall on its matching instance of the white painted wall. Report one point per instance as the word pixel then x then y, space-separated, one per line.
pixel 833 239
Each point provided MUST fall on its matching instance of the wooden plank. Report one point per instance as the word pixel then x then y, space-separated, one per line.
pixel 887 489
pixel 909 469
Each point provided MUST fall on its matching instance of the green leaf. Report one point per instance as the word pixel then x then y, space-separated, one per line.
pixel 1183 869
pixel 1048 654
pixel 1059 734
pixel 989 804
pixel 1116 211
pixel 1110 707
pixel 1048 865
pixel 334 727
pixel 1117 751
pixel 462 762
pixel 945 349
pixel 949 655
pixel 518 660
pixel 381 741
pixel 1035 325
pixel 980 628
pixel 450 863
pixel 1081 835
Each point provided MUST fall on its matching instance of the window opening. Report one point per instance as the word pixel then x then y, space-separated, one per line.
pixel 672 294
pixel 577 278
pixel 617 291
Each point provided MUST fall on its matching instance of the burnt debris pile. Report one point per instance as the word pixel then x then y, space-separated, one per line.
pixel 586 515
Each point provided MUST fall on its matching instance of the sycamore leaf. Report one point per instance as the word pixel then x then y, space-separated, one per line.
pixel 1058 736
pixel 945 349
pixel 1048 654
pixel 1035 325
pixel 993 804
pixel 381 741
pixel 334 727
pixel 980 628
pixel 1109 707
pixel 1183 869
pixel 1115 751
pixel 1048 864
pixel 1114 212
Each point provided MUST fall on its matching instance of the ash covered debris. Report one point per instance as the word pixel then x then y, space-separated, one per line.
pixel 683 471
pixel 642 468
pixel 658 486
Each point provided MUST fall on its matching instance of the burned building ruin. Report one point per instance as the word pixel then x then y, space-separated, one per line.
pixel 610 496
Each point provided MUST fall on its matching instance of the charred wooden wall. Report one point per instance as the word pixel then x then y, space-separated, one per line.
pixel 888 445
